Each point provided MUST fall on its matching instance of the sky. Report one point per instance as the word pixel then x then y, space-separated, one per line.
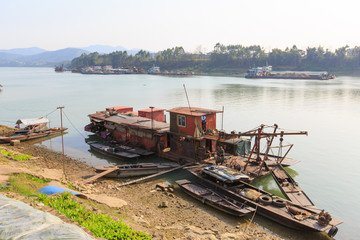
pixel 156 25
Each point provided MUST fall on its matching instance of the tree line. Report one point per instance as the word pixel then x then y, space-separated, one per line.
pixel 230 57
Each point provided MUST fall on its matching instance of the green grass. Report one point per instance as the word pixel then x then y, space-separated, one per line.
pixel 25 184
pixel 100 225
pixel 19 157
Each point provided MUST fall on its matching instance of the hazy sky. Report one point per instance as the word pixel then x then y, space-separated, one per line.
pixel 159 24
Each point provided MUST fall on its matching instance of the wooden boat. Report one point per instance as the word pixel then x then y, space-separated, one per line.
pixel 111 151
pixel 24 135
pixel 279 210
pixel 291 189
pixel 135 150
pixel 214 199
pixel 226 174
pixel 34 128
pixel 133 170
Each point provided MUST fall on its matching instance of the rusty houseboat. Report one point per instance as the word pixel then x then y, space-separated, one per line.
pixel 190 136
pixel 134 132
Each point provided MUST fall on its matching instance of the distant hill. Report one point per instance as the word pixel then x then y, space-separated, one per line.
pixel 45 58
pixel 24 51
pixel 62 55
pixel 36 57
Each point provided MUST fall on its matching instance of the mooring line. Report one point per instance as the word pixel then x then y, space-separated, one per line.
pixel 73 125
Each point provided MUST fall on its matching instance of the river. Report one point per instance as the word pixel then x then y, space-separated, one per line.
pixel 328 110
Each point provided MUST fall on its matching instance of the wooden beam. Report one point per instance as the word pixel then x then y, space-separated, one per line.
pixel 151 176
pixel 93 178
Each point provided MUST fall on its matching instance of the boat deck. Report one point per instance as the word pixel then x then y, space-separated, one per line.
pixel 214 199
pixel 289 187
pixel 304 219
pixel 110 151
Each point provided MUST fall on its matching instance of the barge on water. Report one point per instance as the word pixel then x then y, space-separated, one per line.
pixel 266 72
pixel 191 136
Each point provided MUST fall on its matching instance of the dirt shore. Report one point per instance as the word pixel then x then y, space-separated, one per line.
pixel 137 204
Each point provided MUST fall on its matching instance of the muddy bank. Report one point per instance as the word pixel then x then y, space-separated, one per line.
pixel 164 214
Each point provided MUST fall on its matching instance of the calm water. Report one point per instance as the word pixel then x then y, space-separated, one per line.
pixel 328 110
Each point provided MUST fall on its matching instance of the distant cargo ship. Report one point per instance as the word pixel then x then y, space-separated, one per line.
pixel 266 72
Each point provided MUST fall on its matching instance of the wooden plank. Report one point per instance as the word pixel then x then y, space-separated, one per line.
pixel 151 176
pixel 93 178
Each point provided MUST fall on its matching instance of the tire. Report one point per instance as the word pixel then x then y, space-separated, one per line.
pixel 265 199
pixel 278 202
pixel 333 231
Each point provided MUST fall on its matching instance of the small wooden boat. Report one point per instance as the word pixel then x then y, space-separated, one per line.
pixel 133 170
pixel 136 150
pixel 27 136
pixel 291 189
pixel 214 199
pixel 111 151
pixel 34 128
pixel 277 209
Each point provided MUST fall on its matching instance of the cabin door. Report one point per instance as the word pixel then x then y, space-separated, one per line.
pixel 203 124
pixel 209 145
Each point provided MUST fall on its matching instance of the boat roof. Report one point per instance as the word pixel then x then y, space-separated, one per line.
pixel 32 121
pixel 134 121
pixel 224 174
pixel 194 111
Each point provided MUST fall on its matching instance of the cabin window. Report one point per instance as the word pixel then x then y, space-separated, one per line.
pixel 181 121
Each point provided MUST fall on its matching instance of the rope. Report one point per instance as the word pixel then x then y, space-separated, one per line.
pixel 252 218
pixel 73 125
pixel 51 112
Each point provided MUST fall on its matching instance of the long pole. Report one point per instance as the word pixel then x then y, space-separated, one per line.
pixel 62 140
pixel 152 117
pixel 222 118
pixel 187 99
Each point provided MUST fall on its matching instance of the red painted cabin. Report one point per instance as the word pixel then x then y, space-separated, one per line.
pixel 188 128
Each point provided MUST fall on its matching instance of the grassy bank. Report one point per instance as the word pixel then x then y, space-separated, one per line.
pixel 78 210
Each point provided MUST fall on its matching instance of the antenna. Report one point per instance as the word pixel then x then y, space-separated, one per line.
pixel 187 98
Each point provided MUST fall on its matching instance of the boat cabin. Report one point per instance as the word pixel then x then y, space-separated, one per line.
pixel 32 125
pixel 192 132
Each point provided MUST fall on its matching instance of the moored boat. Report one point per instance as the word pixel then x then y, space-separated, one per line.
pixel 214 199
pixel 225 174
pixel 277 209
pixel 111 151
pixel 133 170
pixel 34 128
pixel 266 72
